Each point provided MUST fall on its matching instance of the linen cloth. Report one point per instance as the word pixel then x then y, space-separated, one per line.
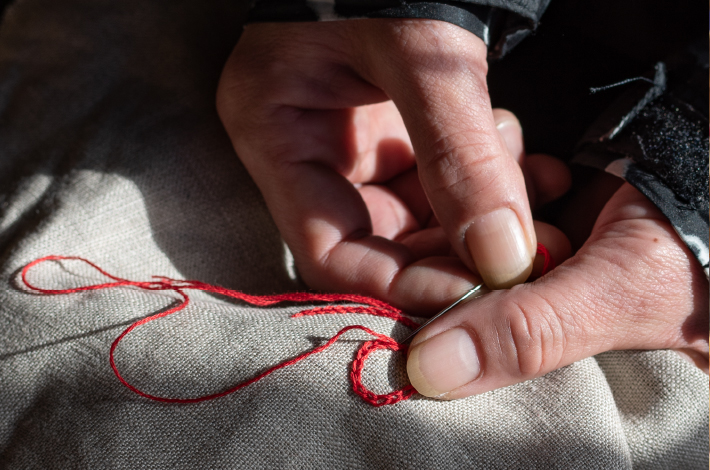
pixel 111 149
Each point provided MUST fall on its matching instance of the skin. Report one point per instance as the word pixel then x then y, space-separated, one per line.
pixel 632 285
pixel 376 149
pixel 368 140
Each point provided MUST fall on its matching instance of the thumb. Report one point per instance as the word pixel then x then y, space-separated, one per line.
pixel 435 73
pixel 634 285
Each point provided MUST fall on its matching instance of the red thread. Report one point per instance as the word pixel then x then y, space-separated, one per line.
pixel 549 263
pixel 373 307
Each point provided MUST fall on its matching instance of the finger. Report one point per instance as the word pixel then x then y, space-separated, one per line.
pixel 436 75
pixel 509 128
pixel 278 74
pixel 389 215
pixel 546 177
pixel 409 189
pixel 631 287
pixel 336 250
pixel 427 242
pixel 300 142
pixel 433 242
pixel 549 176
pixel 426 282
pixel 581 212
pixel 382 144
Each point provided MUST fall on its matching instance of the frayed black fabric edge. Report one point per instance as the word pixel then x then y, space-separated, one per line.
pixel 657 89
pixel 617 143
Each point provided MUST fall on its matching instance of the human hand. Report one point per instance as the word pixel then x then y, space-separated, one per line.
pixel 632 285
pixel 372 195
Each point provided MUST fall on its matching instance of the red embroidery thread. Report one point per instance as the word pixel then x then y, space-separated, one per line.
pixel 371 307
pixel 548 263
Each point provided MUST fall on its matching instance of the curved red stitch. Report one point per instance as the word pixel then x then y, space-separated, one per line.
pixel 359 364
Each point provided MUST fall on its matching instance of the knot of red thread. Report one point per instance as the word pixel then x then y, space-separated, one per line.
pixel 369 306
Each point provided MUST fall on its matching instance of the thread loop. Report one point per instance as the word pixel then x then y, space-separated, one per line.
pixel 369 306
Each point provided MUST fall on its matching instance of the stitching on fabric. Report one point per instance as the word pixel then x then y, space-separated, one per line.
pixel 368 306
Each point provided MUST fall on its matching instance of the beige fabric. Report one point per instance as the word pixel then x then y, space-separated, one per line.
pixel 110 148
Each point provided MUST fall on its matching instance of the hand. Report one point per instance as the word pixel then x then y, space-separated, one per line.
pixel 371 195
pixel 632 285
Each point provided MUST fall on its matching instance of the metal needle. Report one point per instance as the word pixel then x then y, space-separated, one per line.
pixel 470 293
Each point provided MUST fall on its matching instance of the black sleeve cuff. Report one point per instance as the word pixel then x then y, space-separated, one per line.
pixel 656 138
pixel 501 24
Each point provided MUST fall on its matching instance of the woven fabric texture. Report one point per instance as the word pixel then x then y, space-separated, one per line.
pixel 111 149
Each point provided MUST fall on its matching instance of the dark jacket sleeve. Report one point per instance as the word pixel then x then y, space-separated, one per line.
pixel 501 24
pixel 656 138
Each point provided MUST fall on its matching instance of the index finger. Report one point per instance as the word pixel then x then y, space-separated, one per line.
pixel 435 73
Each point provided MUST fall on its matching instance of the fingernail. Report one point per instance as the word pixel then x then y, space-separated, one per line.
pixel 443 363
pixel 500 249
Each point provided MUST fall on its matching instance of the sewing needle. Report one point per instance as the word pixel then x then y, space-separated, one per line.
pixel 474 290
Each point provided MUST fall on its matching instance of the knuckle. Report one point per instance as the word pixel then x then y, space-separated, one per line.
pixel 468 162
pixel 534 334
pixel 457 152
pixel 462 146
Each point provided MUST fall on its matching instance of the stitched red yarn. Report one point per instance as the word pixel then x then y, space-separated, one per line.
pixel 548 263
pixel 371 307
